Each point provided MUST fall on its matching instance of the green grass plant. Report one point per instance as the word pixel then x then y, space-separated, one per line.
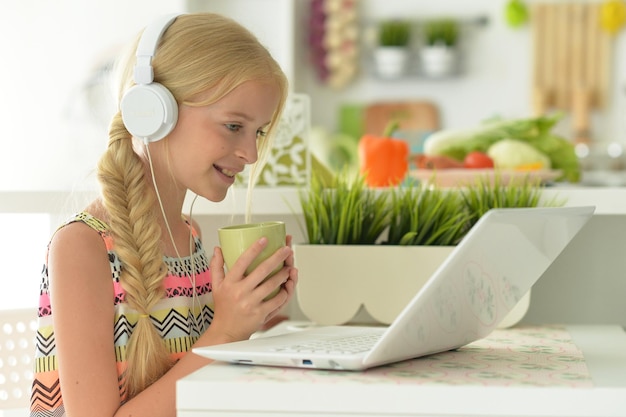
pixel 487 193
pixel 347 212
pixel 443 32
pixel 395 33
pixel 429 217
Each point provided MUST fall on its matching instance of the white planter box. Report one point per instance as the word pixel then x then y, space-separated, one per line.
pixel 391 62
pixel 439 61
pixel 336 280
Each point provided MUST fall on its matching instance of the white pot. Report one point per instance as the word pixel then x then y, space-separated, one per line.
pixel 438 61
pixel 335 281
pixel 391 61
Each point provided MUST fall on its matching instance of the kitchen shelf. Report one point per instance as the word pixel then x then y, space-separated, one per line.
pixel 415 68
pixel 285 200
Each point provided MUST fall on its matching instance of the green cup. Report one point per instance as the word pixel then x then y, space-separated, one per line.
pixel 235 240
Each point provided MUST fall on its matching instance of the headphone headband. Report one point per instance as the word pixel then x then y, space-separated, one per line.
pixel 146 49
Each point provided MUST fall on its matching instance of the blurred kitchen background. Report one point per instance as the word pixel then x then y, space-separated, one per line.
pixel 56 57
pixel 510 62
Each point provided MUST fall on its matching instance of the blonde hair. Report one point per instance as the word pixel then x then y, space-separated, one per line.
pixel 198 53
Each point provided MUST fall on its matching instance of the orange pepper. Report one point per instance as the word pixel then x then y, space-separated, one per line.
pixel 384 160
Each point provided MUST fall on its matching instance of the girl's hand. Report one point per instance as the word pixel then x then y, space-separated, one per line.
pixel 240 308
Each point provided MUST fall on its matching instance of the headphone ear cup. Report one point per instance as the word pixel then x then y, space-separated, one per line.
pixel 149 111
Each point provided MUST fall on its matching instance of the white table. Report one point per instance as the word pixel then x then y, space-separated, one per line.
pixel 581 371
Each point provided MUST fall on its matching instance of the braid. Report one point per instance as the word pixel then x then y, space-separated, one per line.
pixel 130 204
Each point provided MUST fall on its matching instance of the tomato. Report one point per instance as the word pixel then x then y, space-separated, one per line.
pixel 477 159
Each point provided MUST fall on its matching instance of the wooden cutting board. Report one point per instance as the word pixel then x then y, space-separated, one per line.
pixel 411 115
pixel 571 61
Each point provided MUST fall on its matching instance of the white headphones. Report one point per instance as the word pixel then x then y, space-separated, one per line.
pixel 149 110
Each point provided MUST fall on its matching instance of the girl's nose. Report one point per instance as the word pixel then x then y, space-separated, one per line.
pixel 247 150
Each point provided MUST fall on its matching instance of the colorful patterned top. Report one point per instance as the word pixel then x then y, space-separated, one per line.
pixel 179 318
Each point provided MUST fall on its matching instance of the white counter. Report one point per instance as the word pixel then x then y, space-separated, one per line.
pixel 285 200
pixel 608 200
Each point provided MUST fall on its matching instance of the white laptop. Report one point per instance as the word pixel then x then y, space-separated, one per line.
pixel 482 279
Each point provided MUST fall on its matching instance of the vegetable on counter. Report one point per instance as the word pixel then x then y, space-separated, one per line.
pixel 474 159
pixel 435 162
pixel 384 161
pixel 477 159
pixel 536 132
pixel 513 154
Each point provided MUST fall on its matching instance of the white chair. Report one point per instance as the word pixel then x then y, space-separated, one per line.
pixel 17 341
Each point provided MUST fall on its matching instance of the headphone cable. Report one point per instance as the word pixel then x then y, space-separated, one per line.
pixel 192 273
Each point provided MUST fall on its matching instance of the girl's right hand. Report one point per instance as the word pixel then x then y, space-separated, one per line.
pixel 240 308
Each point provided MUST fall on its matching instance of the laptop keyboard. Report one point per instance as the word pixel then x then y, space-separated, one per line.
pixel 341 345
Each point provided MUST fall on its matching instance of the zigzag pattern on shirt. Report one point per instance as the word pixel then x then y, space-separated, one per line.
pixel 207 316
pixel 121 383
pixel 46 400
pixel 174 319
pixel 122 328
pixel 45 344
pixel 57 412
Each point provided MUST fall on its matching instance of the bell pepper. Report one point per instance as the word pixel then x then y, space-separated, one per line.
pixel 612 16
pixel 384 160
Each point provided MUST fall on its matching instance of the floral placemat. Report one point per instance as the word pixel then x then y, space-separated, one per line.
pixel 521 356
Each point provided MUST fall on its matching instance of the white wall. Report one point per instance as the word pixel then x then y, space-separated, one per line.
pixel 52 135
pixel 54 131
pixel 270 20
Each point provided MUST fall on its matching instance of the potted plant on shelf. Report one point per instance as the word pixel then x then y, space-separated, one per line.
pixel 392 52
pixel 439 54
pixel 375 248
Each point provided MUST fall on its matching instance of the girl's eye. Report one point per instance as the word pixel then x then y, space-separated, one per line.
pixel 233 127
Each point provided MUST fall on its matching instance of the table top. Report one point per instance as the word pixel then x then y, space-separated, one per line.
pixel 540 370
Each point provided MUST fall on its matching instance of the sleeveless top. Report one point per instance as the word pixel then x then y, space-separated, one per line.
pixel 179 319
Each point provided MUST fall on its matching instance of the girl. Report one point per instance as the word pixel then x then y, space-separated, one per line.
pixel 127 288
